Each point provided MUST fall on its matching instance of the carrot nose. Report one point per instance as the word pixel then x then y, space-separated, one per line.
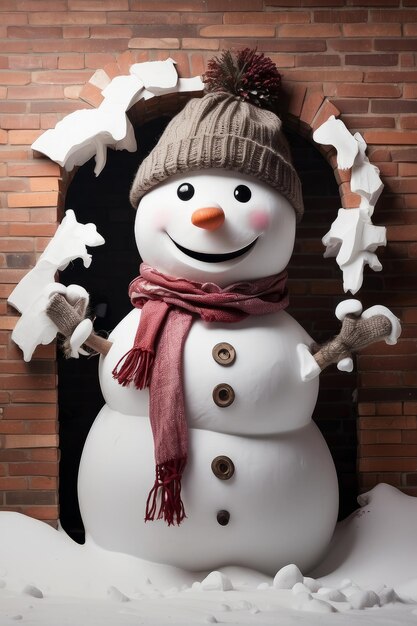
pixel 210 218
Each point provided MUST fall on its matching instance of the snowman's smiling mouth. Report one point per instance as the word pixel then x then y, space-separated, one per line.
pixel 214 258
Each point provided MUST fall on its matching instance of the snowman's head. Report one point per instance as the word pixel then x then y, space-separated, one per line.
pixel 215 226
pixel 218 197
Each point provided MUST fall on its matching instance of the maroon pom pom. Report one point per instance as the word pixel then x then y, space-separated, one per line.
pixel 249 76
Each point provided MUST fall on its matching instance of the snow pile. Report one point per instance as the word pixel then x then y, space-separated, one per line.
pixel 368 577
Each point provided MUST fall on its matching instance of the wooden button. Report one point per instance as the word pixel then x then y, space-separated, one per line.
pixel 223 518
pixel 223 467
pixel 223 395
pixel 224 354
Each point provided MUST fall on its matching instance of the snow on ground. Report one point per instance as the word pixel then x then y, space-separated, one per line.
pixel 369 577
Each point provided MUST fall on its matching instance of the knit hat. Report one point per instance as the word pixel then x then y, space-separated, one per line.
pixel 220 130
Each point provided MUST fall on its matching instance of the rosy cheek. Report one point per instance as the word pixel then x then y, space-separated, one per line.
pixel 160 219
pixel 259 220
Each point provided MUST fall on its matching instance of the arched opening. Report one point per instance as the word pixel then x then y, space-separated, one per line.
pixel 104 201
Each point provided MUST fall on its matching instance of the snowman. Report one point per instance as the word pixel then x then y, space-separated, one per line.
pixel 204 454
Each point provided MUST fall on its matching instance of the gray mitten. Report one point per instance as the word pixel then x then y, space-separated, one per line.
pixel 356 333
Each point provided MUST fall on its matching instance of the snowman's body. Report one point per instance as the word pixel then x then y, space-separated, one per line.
pixel 275 498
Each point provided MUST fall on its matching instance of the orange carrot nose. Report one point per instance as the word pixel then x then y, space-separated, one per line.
pixel 210 218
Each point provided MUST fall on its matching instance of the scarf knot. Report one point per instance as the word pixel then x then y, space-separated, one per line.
pixel 169 306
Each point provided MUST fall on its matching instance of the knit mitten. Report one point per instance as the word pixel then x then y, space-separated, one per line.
pixel 356 333
pixel 65 315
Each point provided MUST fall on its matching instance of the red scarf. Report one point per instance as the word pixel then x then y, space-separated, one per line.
pixel 169 306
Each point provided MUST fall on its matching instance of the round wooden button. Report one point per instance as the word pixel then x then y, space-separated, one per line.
pixel 223 395
pixel 223 517
pixel 223 467
pixel 224 354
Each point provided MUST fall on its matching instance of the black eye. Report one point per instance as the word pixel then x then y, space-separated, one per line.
pixel 242 193
pixel 185 191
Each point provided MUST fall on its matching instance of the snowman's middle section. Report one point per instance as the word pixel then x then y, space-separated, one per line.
pixel 259 488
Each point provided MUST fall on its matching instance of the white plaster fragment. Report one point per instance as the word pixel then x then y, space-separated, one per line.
pixel 157 76
pixel 88 133
pixel 31 296
pixel 334 133
pixel 309 367
pixel 353 239
pixel 365 180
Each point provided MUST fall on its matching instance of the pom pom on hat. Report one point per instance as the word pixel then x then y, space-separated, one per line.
pixel 228 131
pixel 250 76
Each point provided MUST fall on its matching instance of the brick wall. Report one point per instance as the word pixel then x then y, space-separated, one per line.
pixel 357 58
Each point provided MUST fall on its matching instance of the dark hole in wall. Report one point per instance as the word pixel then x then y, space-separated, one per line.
pixel 104 201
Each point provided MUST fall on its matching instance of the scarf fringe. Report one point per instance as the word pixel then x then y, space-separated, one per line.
pixel 167 488
pixel 136 367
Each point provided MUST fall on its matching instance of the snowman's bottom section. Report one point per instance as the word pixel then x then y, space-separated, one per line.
pixel 281 501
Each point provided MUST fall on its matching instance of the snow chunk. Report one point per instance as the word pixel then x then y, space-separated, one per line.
pixel 116 595
pixel 334 595
pixel 287 577
pixel 311 583
pixel 305 602
pixel 216 581
pixel 364 599
pixel 300 588
pixel 31 590
pixel 387 595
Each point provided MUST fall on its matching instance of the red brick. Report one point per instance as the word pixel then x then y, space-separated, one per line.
pixel 30 412
pixel 410 30
pixel 114 31
pixel 17 121
pixel 34 396
pixel 351 105
pixel 76 32
pixel 394 106
pixel 149 42
pixel 136 17
pixel 42 512
pixel 32 230
pixel 289 45
pixel 324 75
pixel 41 167
pixel 43 482
pixel 98 5
pixel 407 169
pixel 396 44
pixel 317 60
pixel 36 92
pixel 237 30
pixel 47 18
pixel 200 44
pixel 8 483
pixel 387 464
pixel 39 199
pixel 29 32
pixel 91 94
pixel 360 90
pixel 372 30
pixel 391 77
pixel 309 30
pixel 392 137
pixel 233 5
pixel 388 15
pixel 10 77
pixel 29 441
pixel 383 60
pixel 270 17
pixel 61 77
pixel 351 45
pixel 390 449
pixel 33 469
pixel 342 16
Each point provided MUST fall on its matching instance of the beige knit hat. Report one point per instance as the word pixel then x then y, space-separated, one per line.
pixel 221 131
